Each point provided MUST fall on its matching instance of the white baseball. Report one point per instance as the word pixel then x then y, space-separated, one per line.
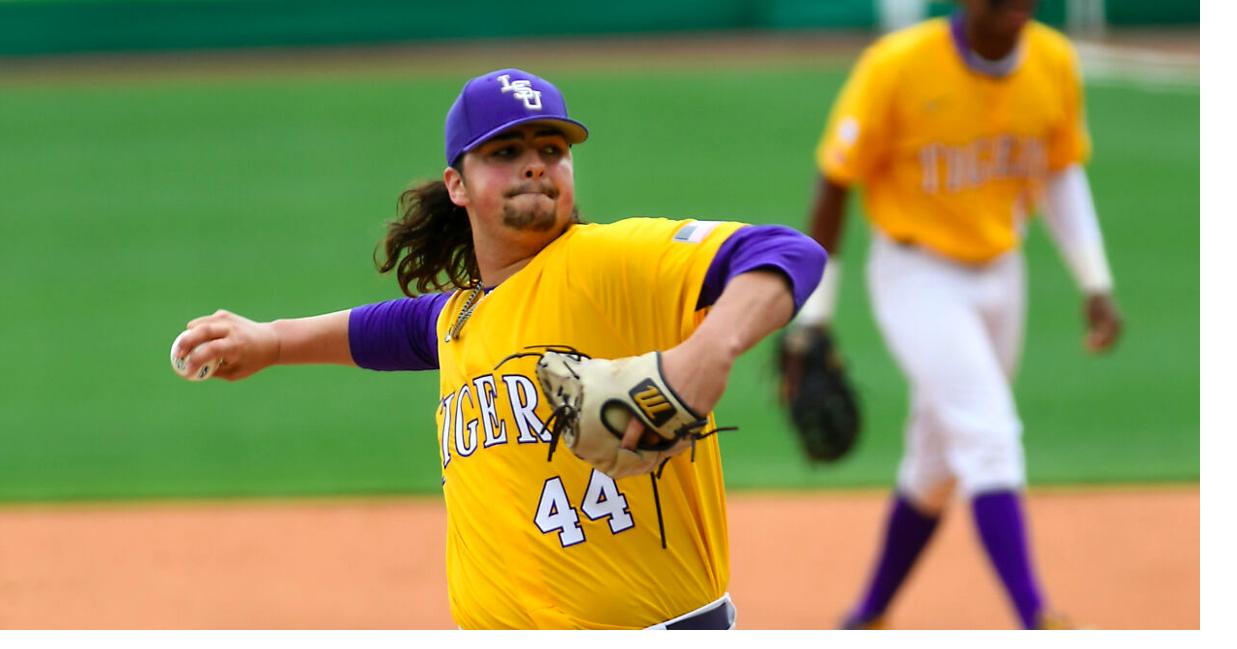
pixel 179 364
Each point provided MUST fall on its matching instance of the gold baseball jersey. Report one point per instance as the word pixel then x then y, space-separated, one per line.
pixel 952 159
pixel 544 544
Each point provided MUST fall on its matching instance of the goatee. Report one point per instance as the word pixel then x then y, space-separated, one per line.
pixel 534 219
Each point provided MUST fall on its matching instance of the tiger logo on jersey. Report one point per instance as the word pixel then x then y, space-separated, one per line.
pixel 954 176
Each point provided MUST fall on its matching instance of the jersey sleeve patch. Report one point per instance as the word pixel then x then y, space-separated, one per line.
pixel 848 131
pixel 695 232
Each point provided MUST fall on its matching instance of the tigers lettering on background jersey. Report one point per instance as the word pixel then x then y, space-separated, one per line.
pixel 577 549
pixel 952 159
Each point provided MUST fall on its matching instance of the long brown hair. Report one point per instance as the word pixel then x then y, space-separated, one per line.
pixel 432 238
pixel 430 244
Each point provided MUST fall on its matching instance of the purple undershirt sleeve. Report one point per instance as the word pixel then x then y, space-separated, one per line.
pixel 795 255
pixel 397 334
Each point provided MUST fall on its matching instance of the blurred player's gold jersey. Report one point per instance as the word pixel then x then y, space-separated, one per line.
pixel 577 550
pixel 952 159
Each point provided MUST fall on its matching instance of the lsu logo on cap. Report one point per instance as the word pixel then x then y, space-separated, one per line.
pixel 654 404
pixel 522 89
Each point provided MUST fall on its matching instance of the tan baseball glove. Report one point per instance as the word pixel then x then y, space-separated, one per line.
pixel 594 399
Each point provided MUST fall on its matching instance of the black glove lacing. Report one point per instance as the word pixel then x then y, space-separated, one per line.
pixel 563 418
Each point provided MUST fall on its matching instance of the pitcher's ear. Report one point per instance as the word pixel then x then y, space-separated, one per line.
pixel 454 180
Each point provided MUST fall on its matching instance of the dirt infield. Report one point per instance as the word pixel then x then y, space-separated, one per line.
pixel 1110 558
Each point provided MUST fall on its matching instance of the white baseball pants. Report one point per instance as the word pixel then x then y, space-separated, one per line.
pixel 956 332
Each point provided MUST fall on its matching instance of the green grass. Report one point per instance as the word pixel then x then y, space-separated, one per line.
pixel 127 209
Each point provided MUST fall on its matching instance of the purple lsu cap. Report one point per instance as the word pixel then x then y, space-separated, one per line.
pixel 494 102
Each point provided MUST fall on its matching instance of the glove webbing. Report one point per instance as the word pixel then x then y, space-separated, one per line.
pixel 563 416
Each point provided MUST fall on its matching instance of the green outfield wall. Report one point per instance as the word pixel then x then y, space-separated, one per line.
pixel 64 26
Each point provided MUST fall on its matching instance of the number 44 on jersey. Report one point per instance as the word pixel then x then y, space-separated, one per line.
pixel 602 500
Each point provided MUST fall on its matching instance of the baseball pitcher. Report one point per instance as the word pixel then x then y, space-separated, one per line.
pixel 578 366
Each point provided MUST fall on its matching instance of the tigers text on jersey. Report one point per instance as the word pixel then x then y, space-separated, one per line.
pixel 533 543
pixel 953 159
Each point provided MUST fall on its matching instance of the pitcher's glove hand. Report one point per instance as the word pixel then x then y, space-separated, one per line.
pixel 594 399
pixel 823 405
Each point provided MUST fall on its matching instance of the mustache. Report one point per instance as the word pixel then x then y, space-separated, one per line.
pixel 532 188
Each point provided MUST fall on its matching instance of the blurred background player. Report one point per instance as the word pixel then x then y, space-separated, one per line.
pixel 533 543
pixel 958 128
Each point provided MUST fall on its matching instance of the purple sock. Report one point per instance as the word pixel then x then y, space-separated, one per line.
pixel 906 533
pixel 998 515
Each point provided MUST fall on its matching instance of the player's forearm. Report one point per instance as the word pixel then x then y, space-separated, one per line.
pixel 752 306
pixel 828 215
pixel 319 339
pixel 1069 216
pixel 760 276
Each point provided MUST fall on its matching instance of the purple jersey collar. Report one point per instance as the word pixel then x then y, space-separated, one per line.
pixel 999 68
